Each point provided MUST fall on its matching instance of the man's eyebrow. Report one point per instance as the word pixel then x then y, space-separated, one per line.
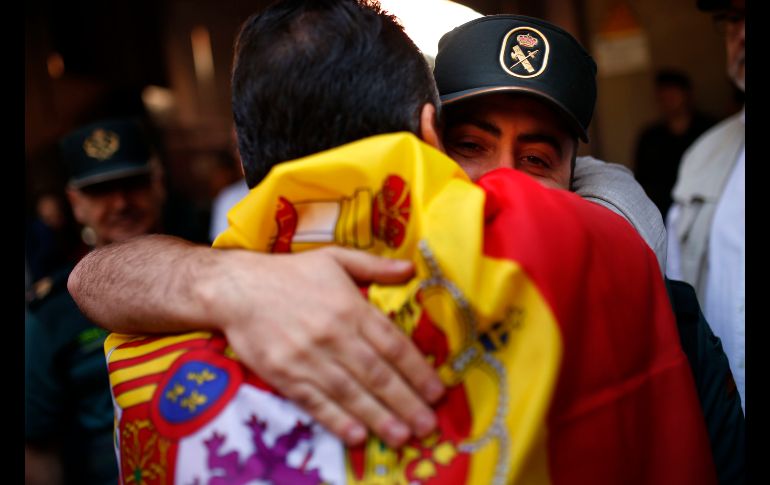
pixel 490 128
pixel 542 138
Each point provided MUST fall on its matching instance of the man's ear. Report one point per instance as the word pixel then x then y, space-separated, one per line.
pixel 429 130
pixel 75 200
pixel 156 178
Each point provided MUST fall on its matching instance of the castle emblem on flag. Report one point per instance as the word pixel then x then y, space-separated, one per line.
pixel 286 221
pixel 390 211
pixel 354 221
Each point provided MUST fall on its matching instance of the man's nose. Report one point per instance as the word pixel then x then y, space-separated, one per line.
pixel 119 199
pixel 505 160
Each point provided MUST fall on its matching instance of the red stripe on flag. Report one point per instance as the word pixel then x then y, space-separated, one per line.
pixel 139 341
pixel 135 383
pixel 187 344
pixel 625 408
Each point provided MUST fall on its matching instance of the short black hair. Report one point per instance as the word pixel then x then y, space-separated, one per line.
pixel 673 78
pixel 310 76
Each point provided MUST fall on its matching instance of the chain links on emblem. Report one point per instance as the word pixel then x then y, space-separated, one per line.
pixel 471 353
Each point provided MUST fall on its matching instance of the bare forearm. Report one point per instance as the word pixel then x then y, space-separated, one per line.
pixel 145 285
pixel 298 321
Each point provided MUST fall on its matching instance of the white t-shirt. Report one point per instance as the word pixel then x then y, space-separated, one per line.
pixel 223 202
pixel 725 293
pixel 725 303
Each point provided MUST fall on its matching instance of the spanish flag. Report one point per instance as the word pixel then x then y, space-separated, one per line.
pixel 545 315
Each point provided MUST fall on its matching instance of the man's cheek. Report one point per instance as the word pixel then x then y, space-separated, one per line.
pixel 548 182
pixel 472 169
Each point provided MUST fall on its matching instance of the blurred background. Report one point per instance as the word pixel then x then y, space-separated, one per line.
pixel 169 62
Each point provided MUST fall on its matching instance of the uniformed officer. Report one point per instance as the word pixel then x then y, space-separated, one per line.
pixel 519 92
pixel 116 193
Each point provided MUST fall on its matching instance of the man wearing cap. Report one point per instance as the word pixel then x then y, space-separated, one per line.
pixel 520 92
pixel 707 222
pixel 524 103
pixel 114 189
pixel 116 194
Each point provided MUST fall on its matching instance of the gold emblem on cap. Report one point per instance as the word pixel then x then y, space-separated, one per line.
pixel 518 60
pixel 526 40
pixel 102 144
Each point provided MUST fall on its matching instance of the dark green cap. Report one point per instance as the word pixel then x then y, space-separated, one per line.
pixel 514 53
pixel 104 151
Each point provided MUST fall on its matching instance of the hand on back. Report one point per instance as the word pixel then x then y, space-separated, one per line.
pixel 308 331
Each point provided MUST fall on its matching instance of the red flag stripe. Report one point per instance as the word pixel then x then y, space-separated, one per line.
pixel 135 383
pixel 188 344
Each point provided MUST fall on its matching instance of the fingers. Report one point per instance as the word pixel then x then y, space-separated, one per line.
pixel 333 353
pixel 339 402
pixel 386 402
pixel 349 395
pixel 368 268
pixel 386 362
pixel 326 412
pixel 311 379
pixel 403 356
pixel 351 371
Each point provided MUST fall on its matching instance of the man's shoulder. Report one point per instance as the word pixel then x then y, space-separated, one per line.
pixel 728 128
pixel 52 305
pixel 683 299
pixel 702 122
pixel 708 161
pixel 512 190
pixel 49 288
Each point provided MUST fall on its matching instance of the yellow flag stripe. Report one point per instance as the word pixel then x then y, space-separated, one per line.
pixel 136 396
pixel 140 350
pixel 153 366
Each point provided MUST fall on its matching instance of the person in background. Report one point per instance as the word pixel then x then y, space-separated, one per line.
pixel 52 238
pixel 115 191
pixel 661 144
pixel 707 221
pixel 229 191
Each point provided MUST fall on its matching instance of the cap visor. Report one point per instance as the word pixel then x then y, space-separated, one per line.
pixel 117 174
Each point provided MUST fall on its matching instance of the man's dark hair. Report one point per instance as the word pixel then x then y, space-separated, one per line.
pixel 310 76
pixel 673 77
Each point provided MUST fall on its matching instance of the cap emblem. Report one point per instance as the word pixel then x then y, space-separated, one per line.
pixel 526 40
pixel 520 55
pixel 102 144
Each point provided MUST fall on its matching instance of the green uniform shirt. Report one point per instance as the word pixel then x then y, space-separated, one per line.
pixel 67 393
